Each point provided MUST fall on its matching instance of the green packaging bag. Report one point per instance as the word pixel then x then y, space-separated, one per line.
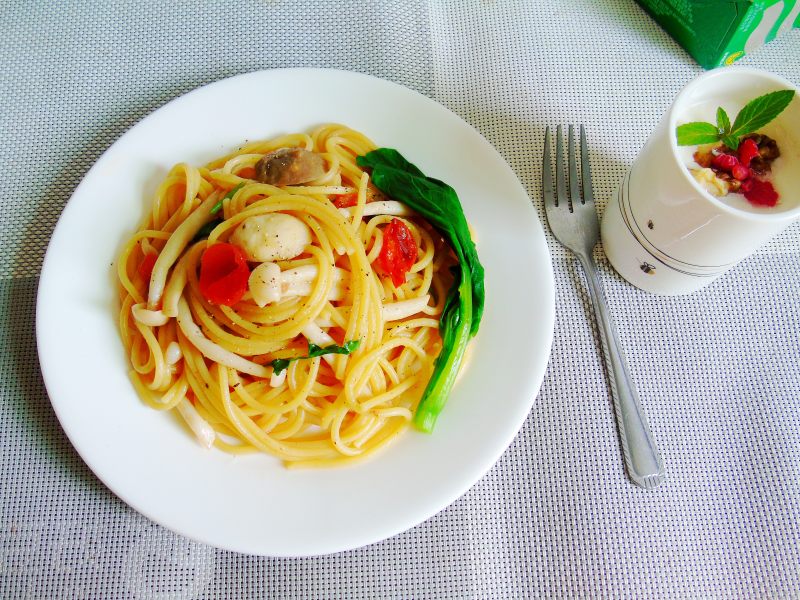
pixel 718 32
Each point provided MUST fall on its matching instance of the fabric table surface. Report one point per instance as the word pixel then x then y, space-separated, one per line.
pixel 717 370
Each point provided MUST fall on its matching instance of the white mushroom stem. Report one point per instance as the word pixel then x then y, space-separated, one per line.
pixel 314 334
pixel 145 316
pixel 214 351
pixel 175 245
pixel 269 284
pixel 174 288
pixel 173 353
pixel 300 280
pixel 381 207
pixel 265 283
pixel 405 308
pixel 204 432
pixel 338 190
pixel 277 380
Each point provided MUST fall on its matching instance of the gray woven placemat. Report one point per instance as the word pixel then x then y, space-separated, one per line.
pixel 717 371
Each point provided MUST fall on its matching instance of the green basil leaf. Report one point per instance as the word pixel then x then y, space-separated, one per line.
pixel 698 132
pixel 760 111
pixel 314 350
pixel 280 364
pixel 723 121
pixel 352 345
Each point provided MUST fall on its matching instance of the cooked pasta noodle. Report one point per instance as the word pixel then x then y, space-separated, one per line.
pixel 318 285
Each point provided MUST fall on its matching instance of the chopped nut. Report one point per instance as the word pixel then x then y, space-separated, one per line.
pixel 710 181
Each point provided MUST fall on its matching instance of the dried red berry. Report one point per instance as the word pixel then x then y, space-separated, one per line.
pixel 726 162
pixel 748 150
pixel 761 193
pixel 740 172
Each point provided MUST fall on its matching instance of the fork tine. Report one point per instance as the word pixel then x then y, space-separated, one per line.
pixel 561 189
pixel 547 173
pixel 588 194
pixel 574 182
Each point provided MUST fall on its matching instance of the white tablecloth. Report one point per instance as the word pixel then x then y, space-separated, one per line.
pixel 717 371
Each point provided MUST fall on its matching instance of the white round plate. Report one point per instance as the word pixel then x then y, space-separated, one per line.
pixel 251 503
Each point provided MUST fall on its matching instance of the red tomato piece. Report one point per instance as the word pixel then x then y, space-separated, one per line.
pixel 247 173
pixel 146 266
pixel 346 200
pixel 223 274
pixel 398 251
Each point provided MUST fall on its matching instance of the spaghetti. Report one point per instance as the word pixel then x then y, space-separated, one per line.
pixel 310 331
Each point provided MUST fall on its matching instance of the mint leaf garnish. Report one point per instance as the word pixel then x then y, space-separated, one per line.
pixel 761 111
pixel 723 121
pixel 753 116
pixel 692 134
pixel 731 142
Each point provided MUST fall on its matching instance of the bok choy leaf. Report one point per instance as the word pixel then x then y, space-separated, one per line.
pixel 439 204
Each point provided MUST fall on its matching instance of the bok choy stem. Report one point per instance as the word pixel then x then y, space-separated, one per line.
pixel 438 203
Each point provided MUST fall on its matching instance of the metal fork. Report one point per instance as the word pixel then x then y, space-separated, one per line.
pixel 573 221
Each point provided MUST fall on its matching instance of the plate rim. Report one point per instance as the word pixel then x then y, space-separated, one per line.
pixel 548 294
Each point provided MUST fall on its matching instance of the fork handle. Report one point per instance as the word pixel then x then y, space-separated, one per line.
pixel 642 459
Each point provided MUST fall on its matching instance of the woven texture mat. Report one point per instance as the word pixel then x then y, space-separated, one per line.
pixel 717 371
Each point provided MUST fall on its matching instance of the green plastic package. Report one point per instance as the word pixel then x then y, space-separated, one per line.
pixel 719 32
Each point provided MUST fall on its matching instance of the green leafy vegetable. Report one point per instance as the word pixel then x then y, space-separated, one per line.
pixel 281 364
pixel 218 206
pixel 751 118
pixel 438 203
pixel 347 348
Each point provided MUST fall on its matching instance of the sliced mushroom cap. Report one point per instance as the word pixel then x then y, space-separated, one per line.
pixel 290 166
